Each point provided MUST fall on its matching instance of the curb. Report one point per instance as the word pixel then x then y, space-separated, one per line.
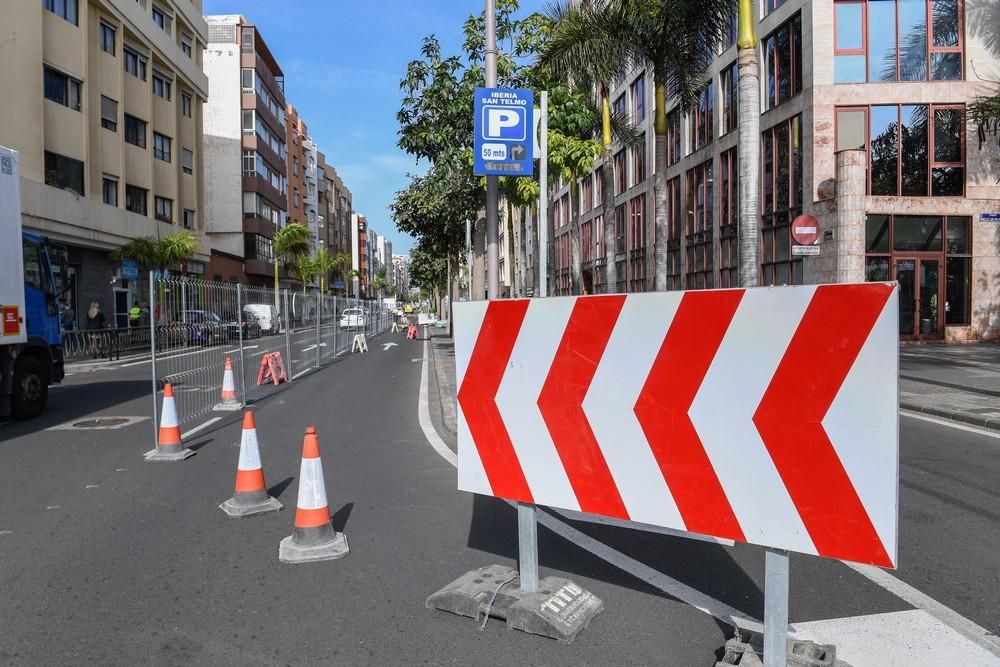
pixel 950 385
pixel 439 389
pixel 988 423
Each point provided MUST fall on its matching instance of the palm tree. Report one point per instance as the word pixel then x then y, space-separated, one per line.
pixel 571 55
pixel 340 266
pixel 325 263
pixel 290 242
pixel 379 282
pixel 159 253
pixel 307 269
pixel 748 150
pixel 676 39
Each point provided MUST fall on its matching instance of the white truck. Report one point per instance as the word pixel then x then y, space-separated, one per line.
pixel 31 354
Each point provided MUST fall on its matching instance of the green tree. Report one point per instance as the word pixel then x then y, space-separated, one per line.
pixel 307 269
pixel 379 282
pixel 160 254
pixel 325 263
pixel 290 242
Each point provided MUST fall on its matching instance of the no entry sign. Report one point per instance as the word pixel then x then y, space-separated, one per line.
pixel 805 230
pixel 765 415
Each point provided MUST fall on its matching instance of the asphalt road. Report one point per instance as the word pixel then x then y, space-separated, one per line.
pixel 106 559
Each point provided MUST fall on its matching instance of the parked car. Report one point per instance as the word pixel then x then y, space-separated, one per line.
pixel 408 309
pixel 249 323
pixel 267 316
pixel 203 327
pixel 353 318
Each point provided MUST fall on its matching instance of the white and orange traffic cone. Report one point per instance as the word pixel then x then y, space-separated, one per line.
pixel 314 537
pixel 168 444
pixel 250 496
pixel 229 400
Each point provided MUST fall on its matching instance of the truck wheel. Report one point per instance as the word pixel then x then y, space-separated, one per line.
pixel 31 388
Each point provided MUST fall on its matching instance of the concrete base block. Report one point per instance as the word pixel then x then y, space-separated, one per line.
pixel 154 455
pixel 236 510
pixel 559 609
pixel 746 649
pixel 289 552
pixel 227 407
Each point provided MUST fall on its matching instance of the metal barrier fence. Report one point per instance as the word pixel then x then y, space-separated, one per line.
pixel 105 343
pixel 196 325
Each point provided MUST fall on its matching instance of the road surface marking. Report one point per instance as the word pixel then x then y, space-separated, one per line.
pixel 386 346
pixel 945 422
pixel 52 507
pixel 92 486
pixel 301 373
pixel 199 427
pixel 716 608
pixel 6 532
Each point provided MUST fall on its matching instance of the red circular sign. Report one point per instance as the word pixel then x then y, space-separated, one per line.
pixel 805 230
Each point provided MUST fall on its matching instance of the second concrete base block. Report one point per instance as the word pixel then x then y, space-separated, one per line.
pixel 746 649
pixel 559 609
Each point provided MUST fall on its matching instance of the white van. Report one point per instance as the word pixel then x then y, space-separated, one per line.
pixel 267 316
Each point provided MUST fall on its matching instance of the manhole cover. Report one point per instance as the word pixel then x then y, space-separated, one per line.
pixel 102 422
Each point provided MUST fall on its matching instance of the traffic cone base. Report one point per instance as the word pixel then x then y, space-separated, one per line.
pixel 250 496
pixel 313 538
pixel 168 443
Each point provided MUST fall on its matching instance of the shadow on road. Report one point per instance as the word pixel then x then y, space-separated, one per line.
pixel 279 488
pixel 340 517
pixel 706 567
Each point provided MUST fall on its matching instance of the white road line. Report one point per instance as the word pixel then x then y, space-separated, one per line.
pixel 693 597
pixel 945 422
pixel 301 373
pixel 307 349
pixel 199 427
pixel 949 617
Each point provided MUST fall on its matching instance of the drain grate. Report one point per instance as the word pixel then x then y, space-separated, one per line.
pixel 102 422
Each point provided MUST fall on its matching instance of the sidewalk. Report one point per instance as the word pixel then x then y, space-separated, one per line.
pixel 959 382
pixel 443 357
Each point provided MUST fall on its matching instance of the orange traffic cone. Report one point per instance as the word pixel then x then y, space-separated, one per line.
pixel 313 538
pixel 229 400
pixel 168 445
pixel 250 496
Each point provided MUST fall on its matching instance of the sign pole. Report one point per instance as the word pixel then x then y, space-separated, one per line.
pixel 468 258
pixel 543 200
pixel 492 184
pixel 775 607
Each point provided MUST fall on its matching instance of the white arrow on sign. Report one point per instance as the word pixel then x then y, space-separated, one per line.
pixel 386 346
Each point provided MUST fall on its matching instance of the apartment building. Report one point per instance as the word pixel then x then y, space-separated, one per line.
pixel 105 107
pixel 246 198
pixel 334 211
pixel 401 275
pixel 296 133
pixel 310 194
pixel 862 127
pixel 359 255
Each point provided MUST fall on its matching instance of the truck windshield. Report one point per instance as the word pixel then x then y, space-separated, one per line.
pixel 35 272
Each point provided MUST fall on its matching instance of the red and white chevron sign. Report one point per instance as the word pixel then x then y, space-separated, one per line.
pixel 765 415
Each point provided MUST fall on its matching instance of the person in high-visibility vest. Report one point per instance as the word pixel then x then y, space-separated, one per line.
pixel 134 313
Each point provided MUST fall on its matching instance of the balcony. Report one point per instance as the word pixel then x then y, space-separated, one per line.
pixel 258 267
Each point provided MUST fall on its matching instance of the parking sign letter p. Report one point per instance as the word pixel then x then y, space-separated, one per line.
pixel 499 123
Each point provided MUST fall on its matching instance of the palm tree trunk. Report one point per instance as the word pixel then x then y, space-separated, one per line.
pixel 523 250
pixel 277 306
pixel 608 197
pixel 574 236
pixel 749 149
pixel 660 184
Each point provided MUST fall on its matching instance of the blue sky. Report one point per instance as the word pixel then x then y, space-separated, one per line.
pixel 343 60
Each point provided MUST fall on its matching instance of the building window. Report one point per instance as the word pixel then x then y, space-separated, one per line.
pixel 62 89
pixel 65 9
pixel 246 80
pixel 187 161
pixel 621 172
pixel 164 209
pixel 781 201
pixel 730 98
pixel 783 63
pixel 914 150
pixel 639 161
pixel 109 114
pixel 771 5
pixel 185 105
pixel 931 258
pixel 107 38
pixel 586 193
pixel 925 44
pixel 637 91
pixel 136 199
pixel 188 219
pixel 637 244
pixel 699 248
pixel 135 64
pixel 295 165
pixel 730 32
pixel 186 45
pixel 296 198
pixel 109 190
pixel 674 217
pixel 728 217
pixel 161 147
pixel 620 106
pixel 258 246
pixel 702 118
pixel 163 19
pixel 620 237
pixel 64 172
pixel 161 85
pixel 135 131
pixel 673 137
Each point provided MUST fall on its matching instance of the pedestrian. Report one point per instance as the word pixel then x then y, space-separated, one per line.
pixel 68 316
pixel 95 322
pixel 134 313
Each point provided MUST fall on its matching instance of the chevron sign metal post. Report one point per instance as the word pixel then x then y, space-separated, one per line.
pixel 764 415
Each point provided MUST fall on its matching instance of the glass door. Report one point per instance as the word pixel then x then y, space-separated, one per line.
pixel 920 287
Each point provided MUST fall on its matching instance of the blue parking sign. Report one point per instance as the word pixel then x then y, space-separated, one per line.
pixel 503 125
